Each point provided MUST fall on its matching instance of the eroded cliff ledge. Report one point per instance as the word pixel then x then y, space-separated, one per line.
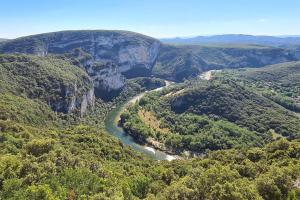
pixel 107 56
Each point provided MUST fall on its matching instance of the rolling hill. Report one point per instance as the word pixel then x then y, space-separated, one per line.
pixel 279 82
pixel 207 116
pixel 184 61
pixel 53 144
pixel 237 39
pixel 110 57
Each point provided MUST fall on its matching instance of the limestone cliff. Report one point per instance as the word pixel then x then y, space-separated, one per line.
pixel 121 54
pixel 54 81
pixel 72 99
pixel 109 57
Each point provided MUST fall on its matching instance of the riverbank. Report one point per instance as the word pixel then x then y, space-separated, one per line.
pixel 152 148
pixel 113 128
pixel 138 125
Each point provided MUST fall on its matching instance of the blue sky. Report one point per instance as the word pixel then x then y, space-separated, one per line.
pixel 157 18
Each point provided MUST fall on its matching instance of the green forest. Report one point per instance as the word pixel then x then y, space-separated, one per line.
pixel 279 82
pixel 234 139
pixel 219 114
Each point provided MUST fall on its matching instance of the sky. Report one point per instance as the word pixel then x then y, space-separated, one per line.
pixel 156 18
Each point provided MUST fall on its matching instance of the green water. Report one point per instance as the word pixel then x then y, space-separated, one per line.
pixel 111 125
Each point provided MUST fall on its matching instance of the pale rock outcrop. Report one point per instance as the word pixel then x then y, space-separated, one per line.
pixel 74 98
pixel 124 51
pixel 88 100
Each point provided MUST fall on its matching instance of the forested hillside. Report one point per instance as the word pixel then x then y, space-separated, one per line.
pixel 56 82
pixel 111 56
pixel 207 116
pixel 184 61
pixel 236 104
pixel 279 83
pixel 232 141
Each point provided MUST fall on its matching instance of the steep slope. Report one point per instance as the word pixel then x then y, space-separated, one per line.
pixel 181 62
pixel 239 105
pixel 56 82
pixel 284 77
pixel 208 116
pixel 42 160
pixel 278 82
pixel 111 56
pixel 105 55
pixel 26 111
pixel 48 155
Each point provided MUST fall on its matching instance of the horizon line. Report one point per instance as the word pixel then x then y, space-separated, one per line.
pixel 171 37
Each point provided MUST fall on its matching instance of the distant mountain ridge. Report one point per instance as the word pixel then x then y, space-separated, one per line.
pixel 179 62
pixel 237 39
pixel 60 139
pixel 3 39
pixel 107 56
pixel 110 57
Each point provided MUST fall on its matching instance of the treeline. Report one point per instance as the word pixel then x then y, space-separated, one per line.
pixel 284 101
pixel 280 82
pixel 228 99
pixel 208 116
pixel 49 155
pixel 57 164
pixel 191 132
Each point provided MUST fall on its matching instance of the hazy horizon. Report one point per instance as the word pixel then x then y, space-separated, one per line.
pixel 159 19
pixel 179 36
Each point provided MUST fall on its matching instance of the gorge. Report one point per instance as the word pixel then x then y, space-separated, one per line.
pixel 227 127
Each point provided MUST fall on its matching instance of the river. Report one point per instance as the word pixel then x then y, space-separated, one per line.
pixel 111 125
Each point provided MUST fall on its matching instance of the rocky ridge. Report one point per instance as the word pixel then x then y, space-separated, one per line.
pixel 107 56
pixel 56 82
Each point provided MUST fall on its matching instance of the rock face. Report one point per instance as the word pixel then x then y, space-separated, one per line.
pixel 54 81
pixel 109 57
pixel 88 99
pixel 107 81
pixel 73 99
pixel 120 54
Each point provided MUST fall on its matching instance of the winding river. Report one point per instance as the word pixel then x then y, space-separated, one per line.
pixel 111 125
